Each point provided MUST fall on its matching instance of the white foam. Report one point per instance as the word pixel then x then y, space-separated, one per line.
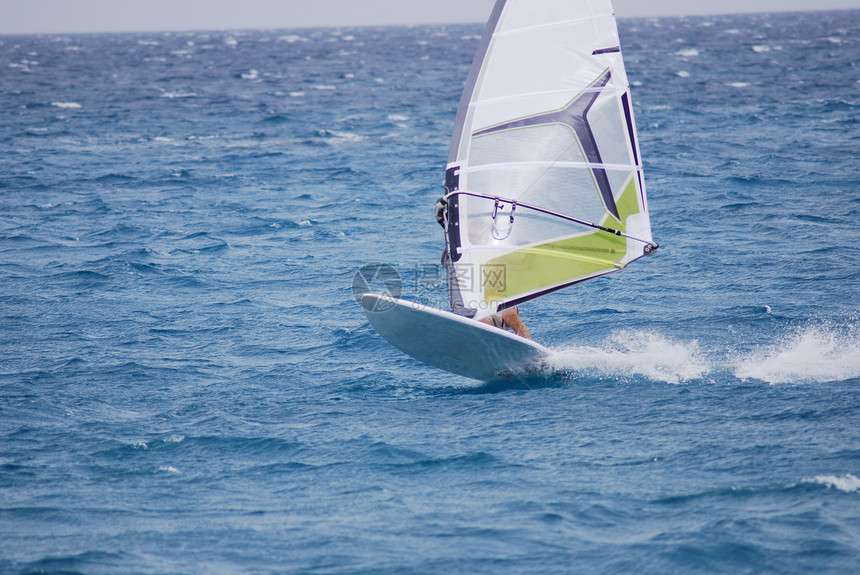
pixel 847 483
pixel 251 75
pixel 684 74
pixel 66 105
pixel 739 84
pixel 168 469
pixel 342 137
pixel 293 38
pixel 761 49
pixel 178 95
pixel 816 354
pixel 687 53
pixel 635 353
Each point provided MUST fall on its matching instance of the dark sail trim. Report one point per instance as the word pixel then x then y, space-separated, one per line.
pixel 628 116
pixel 452 185
pixel 574 115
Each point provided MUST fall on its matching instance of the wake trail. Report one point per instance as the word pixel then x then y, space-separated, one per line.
pixel 816 354
pixel 811 355
pixel 632 353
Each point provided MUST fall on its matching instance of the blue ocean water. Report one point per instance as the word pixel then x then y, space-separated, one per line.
pixel 188 386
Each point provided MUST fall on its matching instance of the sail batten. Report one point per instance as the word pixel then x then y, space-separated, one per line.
pixel 549 164
pixel 530 95
pixel 546 121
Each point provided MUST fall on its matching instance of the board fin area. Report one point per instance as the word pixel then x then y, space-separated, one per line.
pixel 451 342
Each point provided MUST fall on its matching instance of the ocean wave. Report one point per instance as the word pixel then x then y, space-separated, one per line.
pixel 67 105
pixel 847 483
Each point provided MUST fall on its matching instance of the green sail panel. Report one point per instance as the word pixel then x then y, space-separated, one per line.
pixel 543 267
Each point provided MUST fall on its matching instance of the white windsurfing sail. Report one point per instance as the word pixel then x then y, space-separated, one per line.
pixel 544 181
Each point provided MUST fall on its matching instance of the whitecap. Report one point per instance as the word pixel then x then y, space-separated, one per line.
pixel 168 469
pixel 178 95
pixel 398 118
pixel 635 353
pixel 251 75
pixel 66 105
pixel 738 84
pixel 292 38
pixel 847 483
pixel 297 94
pixel 687 53
pixel 684 74
pixel 324 87
pixel 818 355
pixel 761 49
pixel 342 137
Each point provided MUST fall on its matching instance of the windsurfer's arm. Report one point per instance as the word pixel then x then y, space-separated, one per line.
pixel 441 211
pixel 512 320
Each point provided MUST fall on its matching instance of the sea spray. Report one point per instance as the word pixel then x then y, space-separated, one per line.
pixel 814 354
pixel 631 353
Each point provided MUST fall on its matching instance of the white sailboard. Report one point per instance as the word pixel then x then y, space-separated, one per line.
pixel 544 186
pixel 452 342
